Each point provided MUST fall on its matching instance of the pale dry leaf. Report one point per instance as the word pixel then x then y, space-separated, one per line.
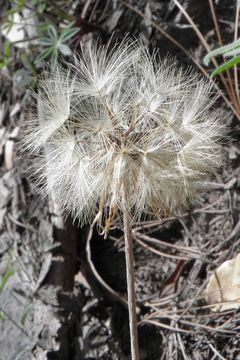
pixel 148 19
pixel 224 286
pixel 16 32
pixel 15 109
pixel 3 135
pixel 113 20
pixel 3 111
pixel 9 149
pixel 80 278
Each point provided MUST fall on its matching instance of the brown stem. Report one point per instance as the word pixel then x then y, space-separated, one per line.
pixel 130 277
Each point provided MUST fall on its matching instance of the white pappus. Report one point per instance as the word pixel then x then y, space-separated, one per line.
pixel 123 118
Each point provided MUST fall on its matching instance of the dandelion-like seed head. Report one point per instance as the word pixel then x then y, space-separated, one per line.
pixel 120 119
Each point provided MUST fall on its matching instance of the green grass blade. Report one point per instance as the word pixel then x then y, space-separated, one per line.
pixel 229 64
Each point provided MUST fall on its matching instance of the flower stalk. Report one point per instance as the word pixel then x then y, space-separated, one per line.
pixel 128 238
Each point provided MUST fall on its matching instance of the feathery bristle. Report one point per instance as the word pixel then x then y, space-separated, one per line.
pixel 121 118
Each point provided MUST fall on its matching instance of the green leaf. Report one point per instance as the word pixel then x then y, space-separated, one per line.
pixel 227 65
pixel 54 58
pixel 233 52
pixel 20 4
pixel 64 49
pixel 4 279
pixel 2 316
pixel 6 54
pixel 56 43
pixel 7 50
pixel 68 32
pixel 46 42
pixel 220 51
pixel 25 314
pixel 44 55
pixel 8 24
pixel 41 7
pixel 52 32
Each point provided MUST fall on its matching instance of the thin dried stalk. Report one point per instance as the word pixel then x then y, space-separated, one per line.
pixel 154 317
pixel 235 66
pixel 204 43
pixel 160 253
pixel 187 53
pixel 219 356
pixel 214 17
pixel 188 250
pixel 85 9
pixel 168 327
pixel 130 278
pixel 219 37
pixel 182 347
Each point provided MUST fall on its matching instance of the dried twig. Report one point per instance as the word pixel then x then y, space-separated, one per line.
pixel 158 252
pixel 219 356
pixel 188 54
pixel 188 250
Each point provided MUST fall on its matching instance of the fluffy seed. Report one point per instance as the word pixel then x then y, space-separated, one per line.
pixel 122 118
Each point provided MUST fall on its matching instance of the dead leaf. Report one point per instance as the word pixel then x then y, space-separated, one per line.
pixel 9 148
pixel 16 32
pixel 224 286
pixel 148 18
pixel 3 135
pixel 113 20
pixel 16 108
